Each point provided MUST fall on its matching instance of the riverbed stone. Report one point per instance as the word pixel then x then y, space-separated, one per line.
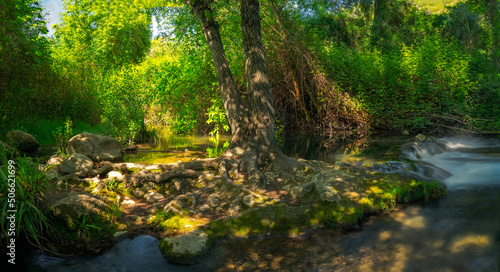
pixel 115 175
pixel 55 160
pixel 327 193
pixel 204 208
pixel 97 147
pixel 52 175
pixel 22 141
pixel 186 248
pixel 420 137
pixel 153 197
pixel 76 163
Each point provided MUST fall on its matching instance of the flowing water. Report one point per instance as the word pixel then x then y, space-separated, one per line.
pixel 460 232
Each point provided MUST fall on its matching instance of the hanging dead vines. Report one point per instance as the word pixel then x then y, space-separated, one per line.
pixel 303 95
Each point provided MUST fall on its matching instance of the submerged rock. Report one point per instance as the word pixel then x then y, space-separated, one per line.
pixel 186 248
pixel 22 141
pixel 96 147
pixel 423 146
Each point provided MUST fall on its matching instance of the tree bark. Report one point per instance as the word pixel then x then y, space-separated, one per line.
pixel 252 121
pixel 260 97
pixel 204 13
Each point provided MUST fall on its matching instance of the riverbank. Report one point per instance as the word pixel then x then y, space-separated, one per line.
pixel 162 201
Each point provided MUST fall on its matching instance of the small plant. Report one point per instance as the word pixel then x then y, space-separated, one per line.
pixel 112 185
pixel 62 136
pixel 216 151
pixel 84 230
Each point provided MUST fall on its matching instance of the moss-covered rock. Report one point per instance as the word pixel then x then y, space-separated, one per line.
pixel 96 147
pixel 22 141
pixel 187 248
pixel 83 221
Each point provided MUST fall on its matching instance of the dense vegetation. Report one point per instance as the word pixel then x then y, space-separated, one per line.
pixel 386 65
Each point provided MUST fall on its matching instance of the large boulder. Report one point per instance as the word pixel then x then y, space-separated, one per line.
pixel 186 248
pixel 22 141
pixel 76 163
pixel 85 222
pixel 96 147
pixel 76 206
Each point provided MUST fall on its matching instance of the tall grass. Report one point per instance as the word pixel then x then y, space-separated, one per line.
pixel 29 187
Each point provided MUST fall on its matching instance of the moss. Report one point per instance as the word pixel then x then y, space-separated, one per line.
pixel 172 224
pixel 77 227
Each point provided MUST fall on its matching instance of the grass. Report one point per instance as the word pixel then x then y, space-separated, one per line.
pixel 29 187
pixel 43 129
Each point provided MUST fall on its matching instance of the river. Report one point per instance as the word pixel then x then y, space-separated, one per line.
pixel 460 232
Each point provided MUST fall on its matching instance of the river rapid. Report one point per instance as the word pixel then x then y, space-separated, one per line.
pixel 460 232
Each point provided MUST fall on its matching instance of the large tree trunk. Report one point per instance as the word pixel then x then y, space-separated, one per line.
pixel 260 98
pixel 252 121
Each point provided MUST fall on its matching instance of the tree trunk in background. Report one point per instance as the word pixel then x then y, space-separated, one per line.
pixel 230 95
pixel 252 121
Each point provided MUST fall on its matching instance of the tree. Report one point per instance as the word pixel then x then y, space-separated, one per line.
pixel 252 120
pixel 22 48
pixel 106 34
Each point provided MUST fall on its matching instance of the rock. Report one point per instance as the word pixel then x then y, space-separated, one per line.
pixel 406 133
pixel 115 175
pixel 248 200
pixel 178 184
pixel 96 147
pixel 131 148
pixel 139 192
pixel 121 235
pixel 52 175
pixel 75 206
pixel 55 160
pixel 301 190
pixel 213 201
pixel 420 137
pixel 22 141
pixel 76 163
pixel 327 193
pixel 153 196
pixel 182 202
pixel 186 248
pixel 204 208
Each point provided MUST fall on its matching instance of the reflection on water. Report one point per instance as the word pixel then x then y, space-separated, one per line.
pixel 460 232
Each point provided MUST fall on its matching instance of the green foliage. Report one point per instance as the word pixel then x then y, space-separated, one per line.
pixel 84 230
pixel 403 88
pixel 216 150
pixel 29 187
pixel 122 100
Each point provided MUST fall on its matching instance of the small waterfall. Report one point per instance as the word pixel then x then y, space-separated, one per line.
pixel 471 162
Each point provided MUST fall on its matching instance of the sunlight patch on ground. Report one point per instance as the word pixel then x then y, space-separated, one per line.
pixel 476 240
